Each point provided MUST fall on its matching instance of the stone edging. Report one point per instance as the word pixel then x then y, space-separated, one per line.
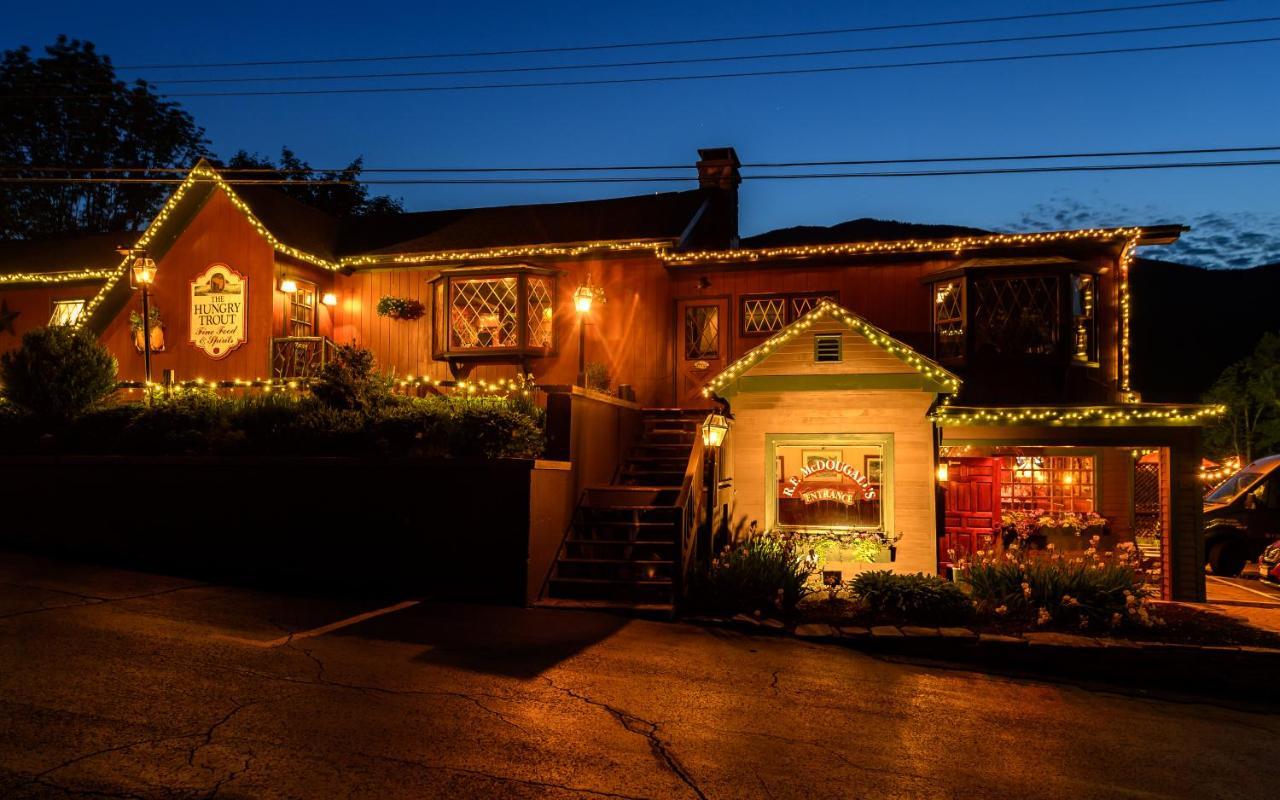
pixel 1237 671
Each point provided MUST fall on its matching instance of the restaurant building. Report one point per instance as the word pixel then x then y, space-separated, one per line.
pixel 907 400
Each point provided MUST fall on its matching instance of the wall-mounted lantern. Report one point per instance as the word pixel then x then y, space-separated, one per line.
pixel 714 429
pixel 288 286
pixel 330 299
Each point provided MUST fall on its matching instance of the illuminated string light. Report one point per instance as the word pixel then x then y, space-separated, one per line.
pixel 1077 415
pixel 62 276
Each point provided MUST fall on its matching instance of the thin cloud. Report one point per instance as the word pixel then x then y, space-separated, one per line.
pixel 1216 240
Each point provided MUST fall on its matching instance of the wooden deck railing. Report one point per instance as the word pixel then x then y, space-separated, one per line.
pixel 299 356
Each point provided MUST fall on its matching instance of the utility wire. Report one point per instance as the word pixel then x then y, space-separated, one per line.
pixel 716 59
pixel 675 42
pixel 674 178
pixel 622 167
pixel 674 78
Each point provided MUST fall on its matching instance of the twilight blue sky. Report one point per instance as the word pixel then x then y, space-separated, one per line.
pixel 1208 97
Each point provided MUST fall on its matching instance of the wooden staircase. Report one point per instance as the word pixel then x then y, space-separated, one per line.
pixel 626 544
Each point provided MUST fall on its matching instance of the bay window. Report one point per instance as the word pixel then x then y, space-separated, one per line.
pixel 493 313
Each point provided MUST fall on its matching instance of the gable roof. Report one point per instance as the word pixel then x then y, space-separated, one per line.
pixel 945 381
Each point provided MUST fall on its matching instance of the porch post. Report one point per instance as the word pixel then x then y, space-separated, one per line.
pixel 1186 518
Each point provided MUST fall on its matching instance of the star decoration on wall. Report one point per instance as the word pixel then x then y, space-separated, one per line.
pixel 7 318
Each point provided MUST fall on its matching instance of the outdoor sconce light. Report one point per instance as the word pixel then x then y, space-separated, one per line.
pixel 583 297
pixel 288 285
pixel 714 428
pixel 944 472
pixel 329 299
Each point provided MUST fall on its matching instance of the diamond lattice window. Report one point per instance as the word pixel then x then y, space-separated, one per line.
pixel 1016 316
pixel 806 303
pixel 763 314
pixel 483 313
pixel 702 332
pixel 66 312
pixel 541 311
pixel 948 319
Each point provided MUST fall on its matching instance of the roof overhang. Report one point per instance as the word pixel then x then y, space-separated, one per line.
pixel 948 247
pixel 1117 415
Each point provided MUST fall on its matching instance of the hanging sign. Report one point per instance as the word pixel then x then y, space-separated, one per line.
pixel 218 320
pixel 820 466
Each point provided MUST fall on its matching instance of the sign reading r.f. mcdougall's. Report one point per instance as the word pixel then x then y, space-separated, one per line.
pixel 219 299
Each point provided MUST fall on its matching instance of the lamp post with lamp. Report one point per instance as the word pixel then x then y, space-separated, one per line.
pixel 142 274
pixel 583 298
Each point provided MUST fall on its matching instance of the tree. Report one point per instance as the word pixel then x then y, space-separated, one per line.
pixel 1250 390
pixel 310 186
pixel 68 109
pixel 57 374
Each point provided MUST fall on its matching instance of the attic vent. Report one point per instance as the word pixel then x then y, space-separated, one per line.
pixel 826 348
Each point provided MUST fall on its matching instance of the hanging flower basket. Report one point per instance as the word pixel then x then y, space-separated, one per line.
pixel 157 331
pixel 400 308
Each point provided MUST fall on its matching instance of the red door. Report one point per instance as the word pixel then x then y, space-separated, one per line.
pixel 702 347
pixel 971 507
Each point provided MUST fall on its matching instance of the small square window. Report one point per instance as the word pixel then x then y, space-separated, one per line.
pixel 66 312
pixel 827 348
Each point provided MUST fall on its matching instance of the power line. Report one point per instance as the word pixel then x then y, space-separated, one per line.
pixel 673 78
pixel 718 59
pixel 652 167
pixel 674 178
pixel 675 42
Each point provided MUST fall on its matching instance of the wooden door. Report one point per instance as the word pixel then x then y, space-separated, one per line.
pixel 971 509
pixel 702 347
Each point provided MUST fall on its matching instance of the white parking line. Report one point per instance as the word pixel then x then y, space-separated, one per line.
pixel 322 630
pixel 1272 596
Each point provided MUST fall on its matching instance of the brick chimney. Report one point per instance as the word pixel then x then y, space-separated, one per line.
pixel 719 177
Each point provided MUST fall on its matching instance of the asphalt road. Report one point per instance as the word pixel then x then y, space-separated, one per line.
pixel 117 684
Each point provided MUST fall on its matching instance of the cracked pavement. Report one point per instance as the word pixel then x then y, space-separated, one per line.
pixel 117 684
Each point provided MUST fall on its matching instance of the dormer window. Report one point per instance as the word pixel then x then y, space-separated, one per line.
pixel 488 313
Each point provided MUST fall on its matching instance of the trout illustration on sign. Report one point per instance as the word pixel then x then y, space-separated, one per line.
pixel 218 313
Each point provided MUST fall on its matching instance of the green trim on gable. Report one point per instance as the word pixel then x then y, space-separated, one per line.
pixel 936 377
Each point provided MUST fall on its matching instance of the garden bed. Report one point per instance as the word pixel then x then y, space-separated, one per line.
pixel 1177 624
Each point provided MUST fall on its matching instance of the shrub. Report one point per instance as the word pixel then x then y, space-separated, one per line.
pixel 57 374
pixel 597 377
pixel 1092 589
pixel 419 427
pixel 762 573
pixel 348 381
pixel 490 428
pixel 919 598
pixel 180 421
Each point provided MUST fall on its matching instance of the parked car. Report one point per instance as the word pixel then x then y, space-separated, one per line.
pixel 1269 564
pixel 1242 516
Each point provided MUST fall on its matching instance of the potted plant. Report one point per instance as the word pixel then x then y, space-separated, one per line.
pixel 157 330
pixel 400 308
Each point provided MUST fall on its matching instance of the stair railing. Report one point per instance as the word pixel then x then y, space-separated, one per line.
pixel 692 509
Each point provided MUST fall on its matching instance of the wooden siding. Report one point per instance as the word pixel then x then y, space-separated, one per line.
pixel 34 305
pixel 899 414
pixel 630 333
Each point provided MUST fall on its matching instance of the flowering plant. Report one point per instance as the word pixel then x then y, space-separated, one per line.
pixel 1089 589
pixel 400 308
pixel 761 573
